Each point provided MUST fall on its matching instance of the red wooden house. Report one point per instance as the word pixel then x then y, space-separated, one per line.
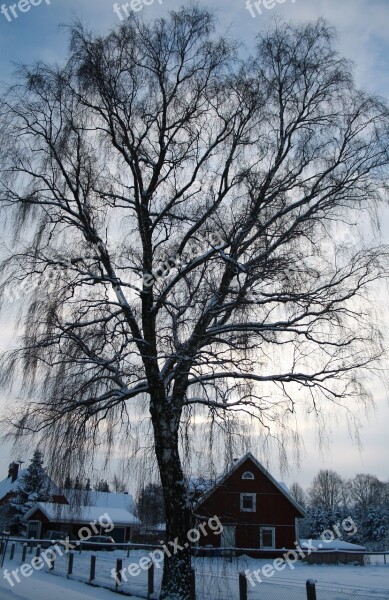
pixel 256 511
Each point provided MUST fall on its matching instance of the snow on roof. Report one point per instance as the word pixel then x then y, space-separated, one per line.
pixel 284 487
pixel 63 513
pixel 7 485
pixel 112 500
pixel 330 545
pixel 106 499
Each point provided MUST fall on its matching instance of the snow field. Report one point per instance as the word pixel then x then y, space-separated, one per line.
pixel 217 578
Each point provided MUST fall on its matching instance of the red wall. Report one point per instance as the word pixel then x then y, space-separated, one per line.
pixel 272 509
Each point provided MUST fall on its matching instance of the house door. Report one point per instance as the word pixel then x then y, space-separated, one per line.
pixel 34 529
pixel 227 539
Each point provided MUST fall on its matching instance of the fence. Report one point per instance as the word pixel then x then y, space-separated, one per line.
pixel 131 570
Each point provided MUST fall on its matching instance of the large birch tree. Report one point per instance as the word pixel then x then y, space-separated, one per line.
pixel 182 224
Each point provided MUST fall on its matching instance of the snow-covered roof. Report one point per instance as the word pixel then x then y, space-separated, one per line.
pixel 107 499
pixel 284 486
pixel 64 513
pixel 7 485
pixel 330 545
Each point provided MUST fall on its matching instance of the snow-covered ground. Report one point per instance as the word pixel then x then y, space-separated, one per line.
pixel 216 579
pixel 43 586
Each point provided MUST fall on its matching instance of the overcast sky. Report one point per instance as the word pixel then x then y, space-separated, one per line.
pixel 363 36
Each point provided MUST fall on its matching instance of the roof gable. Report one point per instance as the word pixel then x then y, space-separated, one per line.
pixel 249 457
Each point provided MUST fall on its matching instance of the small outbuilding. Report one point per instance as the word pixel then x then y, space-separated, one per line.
pixel 72 518
pixel 333 552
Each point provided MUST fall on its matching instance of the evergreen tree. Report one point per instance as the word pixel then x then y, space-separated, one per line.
pixel 33 487
pixel 102 486
pixel 68 483
pixel 373 526
pixel 318 519
pixel 78 484
pixel 370 506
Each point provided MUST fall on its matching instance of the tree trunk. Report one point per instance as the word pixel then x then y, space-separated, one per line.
pixel 176 581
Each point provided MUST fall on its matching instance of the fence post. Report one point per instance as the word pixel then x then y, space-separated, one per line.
pixel 32 544
pixel 311 589
pixel 150 579
pixel 119 567
pixel 38 551
pixel 92 574
pixel 24 552
pixel 52 562
pixel 242 586
pixel 70 563
pixel 12 552
pixel 3 546
pixel 128 550
pixel 193 585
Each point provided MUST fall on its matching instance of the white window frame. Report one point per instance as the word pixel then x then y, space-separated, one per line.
pixel 248 475
pixel 273 532
pixel 254 507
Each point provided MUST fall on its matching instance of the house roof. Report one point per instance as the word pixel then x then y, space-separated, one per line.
pixel 248 456
pixel 82 514
pixel 330 545
pixel 7 485
pixel 107 499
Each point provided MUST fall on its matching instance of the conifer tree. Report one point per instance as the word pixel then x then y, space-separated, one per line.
pixel 33 487
pixel 102 486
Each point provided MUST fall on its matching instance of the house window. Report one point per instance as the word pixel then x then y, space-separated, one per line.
pixel 248 502
pixel 247 475
pixel 228 536
pixel 267 537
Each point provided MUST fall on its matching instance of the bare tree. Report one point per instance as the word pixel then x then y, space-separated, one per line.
pixel 118 484
pixel 367 491
pixel 150 505
pixel 297 492
pixel 183 214
pixel 327 490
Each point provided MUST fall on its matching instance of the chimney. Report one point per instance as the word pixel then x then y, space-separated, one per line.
pixel 13 471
